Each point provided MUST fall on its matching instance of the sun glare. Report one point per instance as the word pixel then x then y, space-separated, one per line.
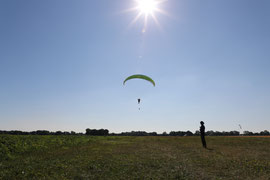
pixel 147 9
pixel 147 6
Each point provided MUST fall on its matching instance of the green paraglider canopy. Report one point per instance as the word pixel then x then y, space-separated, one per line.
pixel 140 76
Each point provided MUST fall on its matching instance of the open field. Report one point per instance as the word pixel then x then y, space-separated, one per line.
pixel 85 157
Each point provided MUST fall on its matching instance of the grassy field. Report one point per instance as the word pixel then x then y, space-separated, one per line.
pixel 84 157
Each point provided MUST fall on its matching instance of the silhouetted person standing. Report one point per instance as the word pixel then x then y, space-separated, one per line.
pixel 202 130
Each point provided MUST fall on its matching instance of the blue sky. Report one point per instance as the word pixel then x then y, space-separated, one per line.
pixel 62 64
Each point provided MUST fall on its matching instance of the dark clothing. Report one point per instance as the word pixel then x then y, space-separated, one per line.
pixel 202 130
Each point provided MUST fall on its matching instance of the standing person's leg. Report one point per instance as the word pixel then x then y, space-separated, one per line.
pixel 203 141
pixel 202 138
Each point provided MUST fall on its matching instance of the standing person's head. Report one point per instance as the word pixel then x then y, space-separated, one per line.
pixel 202 123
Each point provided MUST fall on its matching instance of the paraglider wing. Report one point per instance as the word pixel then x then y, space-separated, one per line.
pixel 140 76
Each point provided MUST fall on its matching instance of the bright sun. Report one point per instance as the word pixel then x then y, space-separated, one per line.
pixel 147 9
pixel 147 6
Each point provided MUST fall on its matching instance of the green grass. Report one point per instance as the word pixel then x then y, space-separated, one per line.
pixel 85 157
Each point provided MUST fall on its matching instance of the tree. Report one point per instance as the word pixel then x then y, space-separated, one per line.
pixel 95 132
pixel 189 133
pixel 247 133
pixel 197 133
pixel 88 131
pixel 264 133
pixel 164 133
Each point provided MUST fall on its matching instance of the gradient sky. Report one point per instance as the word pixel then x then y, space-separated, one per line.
pixel 63 62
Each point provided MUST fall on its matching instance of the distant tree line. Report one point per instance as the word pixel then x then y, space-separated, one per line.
pixel 105 132
pixel 218 133
pixel 135 133
pixel 97 132
pixel 262 133
pixel 39 132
